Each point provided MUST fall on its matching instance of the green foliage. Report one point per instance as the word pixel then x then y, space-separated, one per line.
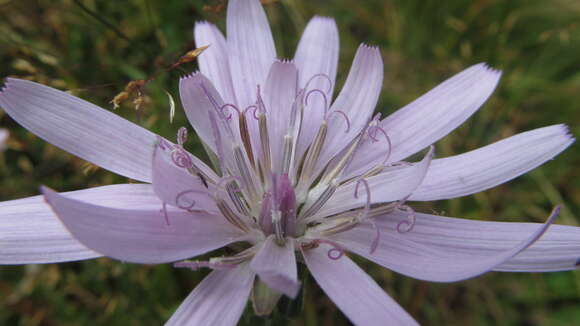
pixel 96 47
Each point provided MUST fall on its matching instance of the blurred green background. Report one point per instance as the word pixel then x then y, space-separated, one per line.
pixel 96 47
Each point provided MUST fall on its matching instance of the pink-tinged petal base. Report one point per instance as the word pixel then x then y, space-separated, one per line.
pixel 420 261
pixel 218 300
pixel 142 235
pixel 354 291
pixel 80 128
pixel 276 266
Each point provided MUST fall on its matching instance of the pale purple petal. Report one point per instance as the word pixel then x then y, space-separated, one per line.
pixel 142 235
pixel 218 300
pixel 357 100
pixel 177 187
pixel 197 105
pixel 30 232
pixel 424 262
pixel 492 165
pixel 213 62
pixel 395 183
pixel 276 266
pixel 279 95
pixel 80 128
pixel 557 250
pixel 354 291
pixel 251 48
pixel 430 117
pixel 317 54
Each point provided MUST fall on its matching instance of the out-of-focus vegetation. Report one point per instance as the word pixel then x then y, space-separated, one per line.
pixel 94 48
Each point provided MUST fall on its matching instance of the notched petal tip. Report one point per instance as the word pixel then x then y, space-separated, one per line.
pixel 202 23
pixel 191 75
pixel 487 68
pixel 284 61
pixel 365 46
pixel 567 132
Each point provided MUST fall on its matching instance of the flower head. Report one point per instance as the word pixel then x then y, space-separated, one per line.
pixel 299 177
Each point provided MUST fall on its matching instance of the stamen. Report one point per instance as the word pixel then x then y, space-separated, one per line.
pixel 373 135
pixel 230 215
pixel 345 160
pixel 181 158
pixel 182 136
pixel 287 205
pixel 266 155
pixel 226 185
pixel 324 98
pixel 254 111
pixel 411 219
pixel 377 238
pixel 234 192
pixel 221 185
pixel 245 174
pixel 367 207
pixel 218 142
pixel 163 144
pixel 343 115
pixel 245 136
pixel 325 76
pixel 164 212
pixel 320 200
pixel 310 162
pixel 265 220
pixel 336 252
pixel 260 101
pixel 278 230
pixel 230 106
pixel 189 203
pixel 287 154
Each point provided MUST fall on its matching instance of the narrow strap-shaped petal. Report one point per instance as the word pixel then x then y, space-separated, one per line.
pixel 219 300
pixel 80 128
pixel 251 48
pixel 276 266
pixel 279 93
pixel 30 232
pixel 557 250
pixel 430 117
pixel 357 100
pixel 356 294
pixel 492 165
pixel 394 184
pixel 176 187
pixel 420 261
pixel 213 62
pixel 142 235
pixel 316 59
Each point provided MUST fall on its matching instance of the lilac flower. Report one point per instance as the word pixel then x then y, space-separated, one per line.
pixel 298 178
